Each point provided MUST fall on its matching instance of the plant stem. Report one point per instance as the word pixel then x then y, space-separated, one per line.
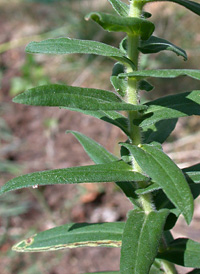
pixel 132 98
pixel 135 133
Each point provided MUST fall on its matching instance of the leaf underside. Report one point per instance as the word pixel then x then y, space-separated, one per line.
pixel 155 44
pixel 130 25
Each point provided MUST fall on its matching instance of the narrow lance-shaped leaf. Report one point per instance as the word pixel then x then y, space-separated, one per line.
pixel 183 252
pixel 172 106
pixel 165 173
pixel 120 7
pixel 191 5
pixel 72 236
pixel 155 44
pixel 113 172
pixel 130 25
pixel 140 240
pixel 100 156
pixel 163 73
pixel 74 97
pixel 68 46
pixel 94 150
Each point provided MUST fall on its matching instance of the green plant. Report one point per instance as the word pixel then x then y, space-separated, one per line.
pixel 154 184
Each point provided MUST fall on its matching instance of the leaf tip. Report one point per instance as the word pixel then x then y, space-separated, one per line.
pixel 17 99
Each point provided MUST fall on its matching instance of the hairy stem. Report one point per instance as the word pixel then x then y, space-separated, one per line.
pixel 132 98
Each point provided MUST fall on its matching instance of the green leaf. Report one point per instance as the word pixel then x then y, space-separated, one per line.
pixel 193 173
pixel 172 106
pixel 119 85
pixel 165 173
pixel 94 150
pixel 111 117
pixel 130 25
pixel 115 171
pixel 120 7
pixel 183 252
pixel 100 156
pixel 68 46
pixel 155 44
pixel 72 236
pixel 74 97
pixel 163 73
pixel 159 131
pixel 191 5
pixel 140 240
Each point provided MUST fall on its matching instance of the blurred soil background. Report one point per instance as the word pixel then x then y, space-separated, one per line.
pixel 34 138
